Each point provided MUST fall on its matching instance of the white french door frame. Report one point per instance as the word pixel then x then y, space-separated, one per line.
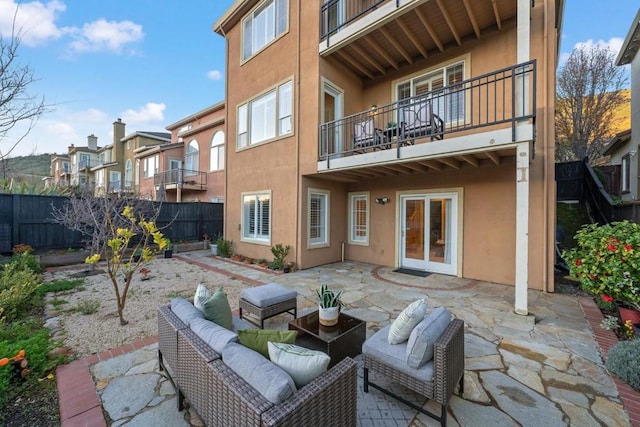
pixel 453 238
pixel 328 88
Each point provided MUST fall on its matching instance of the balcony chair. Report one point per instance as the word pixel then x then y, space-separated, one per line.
pixel 419 120
pixel 365 135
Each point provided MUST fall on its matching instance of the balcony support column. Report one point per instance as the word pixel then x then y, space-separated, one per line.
pixel 522 228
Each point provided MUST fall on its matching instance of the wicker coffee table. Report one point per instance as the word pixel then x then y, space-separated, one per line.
pixel 342 340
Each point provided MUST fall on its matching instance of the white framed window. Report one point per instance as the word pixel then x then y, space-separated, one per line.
pixel 128 170
pixel 191 157
pixel 359 218
pixel 318 218
pixel 256 217
pixel 151 165
pixel 263 25
pixel 114 181
pixel 438 86
pixel 626 173
pixel 267 116
pixel 136 172
pixel 216 160
pixel 100 178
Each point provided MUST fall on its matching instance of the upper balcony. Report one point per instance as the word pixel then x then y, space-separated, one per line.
pixel 477 120
pixel 184 179
pixel 374 37
pixel 87 164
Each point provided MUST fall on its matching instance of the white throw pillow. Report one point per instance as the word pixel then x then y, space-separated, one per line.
pixel 201 296
pixel 407 320
pixel 423 336
pixel 302 364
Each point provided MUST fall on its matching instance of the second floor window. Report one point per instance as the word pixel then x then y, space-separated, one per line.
pixel 266 117
pixel 217 152
pixel 191 158
pixel 626 173
pixel 263 25
pixel 128 169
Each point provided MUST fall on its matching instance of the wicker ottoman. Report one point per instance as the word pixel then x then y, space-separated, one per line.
pixel 267 301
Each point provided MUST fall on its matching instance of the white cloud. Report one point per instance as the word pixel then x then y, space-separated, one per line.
pixel 150 112
pixel 102 35
pixel 614 44
pixel 214 75
pixel 34 21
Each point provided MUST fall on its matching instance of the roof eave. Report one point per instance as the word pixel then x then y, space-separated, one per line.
pixel 631 43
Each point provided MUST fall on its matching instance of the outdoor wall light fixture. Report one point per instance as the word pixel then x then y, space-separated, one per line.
pixel 382 200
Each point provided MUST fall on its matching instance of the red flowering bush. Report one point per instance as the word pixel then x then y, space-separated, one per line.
pixel 606 260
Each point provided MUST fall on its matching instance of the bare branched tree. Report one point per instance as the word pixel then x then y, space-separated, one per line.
pixel 588 94
pixel 19 109
pixel 93 216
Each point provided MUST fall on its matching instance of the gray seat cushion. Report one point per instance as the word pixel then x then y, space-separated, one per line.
pixel 266 377
pixel 395 355
pixel 266 295
pixel 185 310
pixel 216 336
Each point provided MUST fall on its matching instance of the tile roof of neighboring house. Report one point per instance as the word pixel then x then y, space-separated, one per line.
pixel 617 142
pixel 154 135
pixel 197 115
pixel 631 43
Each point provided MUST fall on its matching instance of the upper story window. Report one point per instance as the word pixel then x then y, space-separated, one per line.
pixel 263 25
pixel 128 170
pixel 216 162
pixel 191 158
pixel 626 173
pixel 439 88
pixel 65 166
pixel 267 116
pixel 151 165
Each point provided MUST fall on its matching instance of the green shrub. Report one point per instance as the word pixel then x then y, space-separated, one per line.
pixel 224 247
pixel 26 261
pixel 17 289
pixel 279 252
pixel 623 360
pixel 88 306
pixel 61 286
pixel 31 336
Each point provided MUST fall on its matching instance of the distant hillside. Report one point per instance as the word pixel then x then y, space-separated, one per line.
pixel 26 169
pixel 623 114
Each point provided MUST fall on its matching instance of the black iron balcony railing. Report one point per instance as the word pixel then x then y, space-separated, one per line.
pixel 503 97
pixel 88 163
pixel 185 177
pixel 336 14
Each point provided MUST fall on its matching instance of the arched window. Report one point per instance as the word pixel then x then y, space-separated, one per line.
pixel 216 161
pixel 128 181
pixel 191 158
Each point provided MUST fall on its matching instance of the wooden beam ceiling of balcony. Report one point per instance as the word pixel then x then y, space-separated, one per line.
pixel 374 44
pixel 412 37
pixel 495 157
pixel 396 44
pixel 496 13
pixel 450 162
pixel 472 18
pixel 427 25
pixel 367 57
pixel 450 23
pixel 431 165
pixel 342 54
pixel 471 159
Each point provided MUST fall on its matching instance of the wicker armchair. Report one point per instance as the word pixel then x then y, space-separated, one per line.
pixel 447 371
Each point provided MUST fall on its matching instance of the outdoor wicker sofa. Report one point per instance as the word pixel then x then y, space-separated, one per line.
pixel 222 398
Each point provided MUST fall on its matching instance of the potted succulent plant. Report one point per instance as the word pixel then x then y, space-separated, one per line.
pixel 329 305
pixel 168 249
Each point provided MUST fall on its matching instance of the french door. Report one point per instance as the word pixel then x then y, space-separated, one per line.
pixel 429 232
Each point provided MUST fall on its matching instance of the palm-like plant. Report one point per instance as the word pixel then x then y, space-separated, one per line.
pixel 328 298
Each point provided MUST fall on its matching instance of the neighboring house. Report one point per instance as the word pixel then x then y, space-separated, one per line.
pixel 405 133
pixel 623 149
pixel 624 161
pixel 60 175
pixel 83 159
pixel 118 169
pixel 192 167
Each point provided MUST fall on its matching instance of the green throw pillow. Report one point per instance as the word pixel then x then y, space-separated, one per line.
pixel 218 310
pixel 257 339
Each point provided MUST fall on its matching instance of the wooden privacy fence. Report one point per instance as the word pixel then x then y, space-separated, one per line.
pixel 28 219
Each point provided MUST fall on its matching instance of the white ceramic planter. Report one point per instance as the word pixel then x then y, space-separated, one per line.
pixel 214 249
pixel 328 316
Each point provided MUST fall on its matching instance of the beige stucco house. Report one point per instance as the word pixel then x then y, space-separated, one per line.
pixel 189 167
pixel 406 133
pixel 60 173
pixel 623 149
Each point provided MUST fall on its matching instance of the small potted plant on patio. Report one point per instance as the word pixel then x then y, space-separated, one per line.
pixel 168 249
pixel 606 261
pixel 280 252
pixel 329 305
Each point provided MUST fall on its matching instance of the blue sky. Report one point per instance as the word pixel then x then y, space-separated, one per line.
pixel 153 62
